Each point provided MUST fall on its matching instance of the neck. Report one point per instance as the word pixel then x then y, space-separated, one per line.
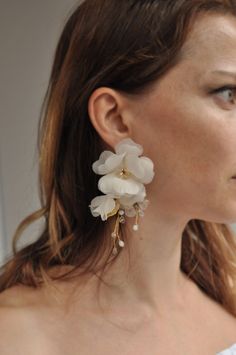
pixel 150 275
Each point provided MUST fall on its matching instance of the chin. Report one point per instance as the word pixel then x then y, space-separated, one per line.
pixel 228 216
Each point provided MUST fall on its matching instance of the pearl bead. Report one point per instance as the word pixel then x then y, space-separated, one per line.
pixel 113 234
pixel 135 227
pixel 122 219
pixel 121 212
pixel 121 243
pixel 114 251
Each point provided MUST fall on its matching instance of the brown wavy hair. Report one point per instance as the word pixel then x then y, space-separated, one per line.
pixel 126 45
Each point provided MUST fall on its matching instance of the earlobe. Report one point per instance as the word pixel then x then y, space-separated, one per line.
pixel 105 113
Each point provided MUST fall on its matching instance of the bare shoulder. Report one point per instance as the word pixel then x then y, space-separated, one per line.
pixel 216 314
pixel 18 321
pixel 33 321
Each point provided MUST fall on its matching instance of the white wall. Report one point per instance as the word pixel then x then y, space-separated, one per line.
pixel 2 220
pixel 29 30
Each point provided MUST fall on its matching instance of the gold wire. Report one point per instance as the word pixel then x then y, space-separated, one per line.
pixel 137 214
pixel 116 230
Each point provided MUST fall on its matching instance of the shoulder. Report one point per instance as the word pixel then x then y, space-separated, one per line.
pixel 215 314
pixel 32 319
pixel 19 321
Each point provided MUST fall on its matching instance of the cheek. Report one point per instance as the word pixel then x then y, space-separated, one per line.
pixel 193 148
pixel 194 145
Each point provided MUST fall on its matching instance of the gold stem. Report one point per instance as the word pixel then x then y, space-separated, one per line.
pixel 137 213
pixel 116 230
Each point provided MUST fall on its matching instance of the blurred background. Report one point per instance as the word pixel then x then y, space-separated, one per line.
pixel 29 31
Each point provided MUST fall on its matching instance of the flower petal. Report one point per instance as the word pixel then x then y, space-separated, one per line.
pixel 108 163
pixel 98 166
pixel 127 145
pixel 149 172
pixel 102 205
pixel 130 211
pixel 129 200
pixel 114 162
pixel 143 205
pixel 113 184
pixel 134 165
pixel 141 168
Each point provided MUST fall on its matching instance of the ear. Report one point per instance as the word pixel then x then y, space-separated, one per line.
pixel 109 115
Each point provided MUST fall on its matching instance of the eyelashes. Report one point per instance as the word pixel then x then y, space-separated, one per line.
pixel 226 88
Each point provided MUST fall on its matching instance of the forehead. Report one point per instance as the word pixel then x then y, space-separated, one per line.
pixel 211 38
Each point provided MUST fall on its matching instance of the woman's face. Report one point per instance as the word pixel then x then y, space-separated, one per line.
pixel 188 128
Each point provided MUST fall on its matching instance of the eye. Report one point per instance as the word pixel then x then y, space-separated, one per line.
pixel 228 92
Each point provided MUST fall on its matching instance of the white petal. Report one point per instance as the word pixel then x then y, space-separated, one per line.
pixel 128 200
pixel 129 146
pixel 108 163
pixel 114 162
pixel 141 168
pixel 130 212
pixel 113 184
pixel 143 205
pixel 98 166
pixel 149 172
pixel 102 205
pixel 134 165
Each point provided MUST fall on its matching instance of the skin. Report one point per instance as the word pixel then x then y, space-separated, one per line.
pixel 189 133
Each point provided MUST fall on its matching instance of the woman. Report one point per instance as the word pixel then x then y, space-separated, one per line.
pixel 133 77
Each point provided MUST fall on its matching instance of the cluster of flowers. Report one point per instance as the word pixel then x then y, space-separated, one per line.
pixel 125 174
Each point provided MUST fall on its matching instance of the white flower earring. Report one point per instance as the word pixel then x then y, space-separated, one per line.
pixel 125 174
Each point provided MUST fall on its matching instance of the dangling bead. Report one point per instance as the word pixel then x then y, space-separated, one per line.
pixel 135 226
pixel 121 243
pixel 122 219
pixel 121 212
pixel 114 251
pixel 113 234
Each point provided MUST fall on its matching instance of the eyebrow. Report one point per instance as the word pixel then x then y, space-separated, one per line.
pixel 224 73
